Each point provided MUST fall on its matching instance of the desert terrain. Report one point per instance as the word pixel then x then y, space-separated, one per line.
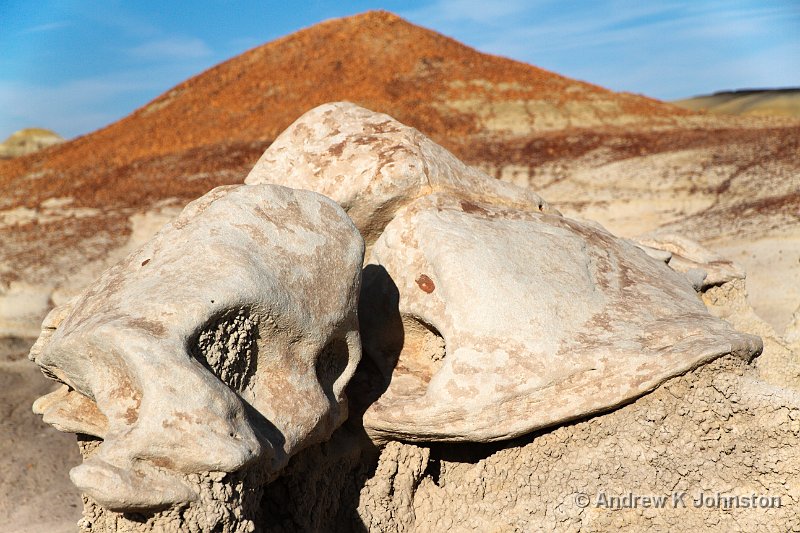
pixel 638 166
pixel 28 141
pixel 770 102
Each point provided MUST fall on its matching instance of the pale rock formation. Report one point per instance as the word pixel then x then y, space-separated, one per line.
pixel 221 346
pixel 779 364
pixel 489 317
pixel 511 321
pixel 701 265
pixel 722 286
pixel 373 165
pixel 493 331
pixel 717 430
pixel 721 431
pixel 27 141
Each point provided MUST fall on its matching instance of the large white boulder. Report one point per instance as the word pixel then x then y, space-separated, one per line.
pixel 225 341
pixel 373 165
pixel 512 320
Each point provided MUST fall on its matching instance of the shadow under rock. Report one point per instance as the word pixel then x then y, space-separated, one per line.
pixel 320 489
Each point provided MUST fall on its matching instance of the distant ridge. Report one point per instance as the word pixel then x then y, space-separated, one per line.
pixel 27 141
pixel 783 102
pixel 742 92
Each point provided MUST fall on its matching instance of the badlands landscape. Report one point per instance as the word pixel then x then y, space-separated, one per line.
pixel 770 102
pixel 696 191
pixel 28 141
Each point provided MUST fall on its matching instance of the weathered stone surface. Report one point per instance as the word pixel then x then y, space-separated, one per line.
pixel 715 430
pixel 492 322
pixel 701 265
pixel 489 316
pixel 779 364
pixel 226 340
pixel 28 141
pixel 373 165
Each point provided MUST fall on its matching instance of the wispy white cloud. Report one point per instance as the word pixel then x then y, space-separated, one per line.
pixel 50 26
pixel 774 66
pixel 83 105
pixel 124 20
pixel 65 108
pixel 473 10
pixel 647 23
pixel 172 48
pixel 619 43
pixel 124 60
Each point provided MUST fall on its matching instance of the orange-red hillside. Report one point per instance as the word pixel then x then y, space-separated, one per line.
pixel 213 125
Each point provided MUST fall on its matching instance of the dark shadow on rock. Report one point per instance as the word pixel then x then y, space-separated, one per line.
pixel 320 489
pixel 382 336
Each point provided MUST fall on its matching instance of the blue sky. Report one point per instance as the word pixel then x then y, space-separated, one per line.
pixel 75 66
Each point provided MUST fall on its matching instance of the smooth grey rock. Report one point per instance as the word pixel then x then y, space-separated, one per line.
pixel 687 256
pixel 490 322
pixel 226 340
pixel 373 165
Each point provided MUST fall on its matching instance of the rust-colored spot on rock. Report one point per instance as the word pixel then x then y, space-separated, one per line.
pixel 153 327
pixel 469 207
pixel 131 415
pixel 163 462
pixel 425 283
pixel 337 149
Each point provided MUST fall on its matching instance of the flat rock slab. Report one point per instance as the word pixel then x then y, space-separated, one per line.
pixel 495 322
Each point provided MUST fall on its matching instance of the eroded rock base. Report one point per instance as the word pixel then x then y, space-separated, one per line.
pixel 716 431
pixel 227 503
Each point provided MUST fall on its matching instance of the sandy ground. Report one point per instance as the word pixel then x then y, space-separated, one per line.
pixel 772 264
pixel 36 494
